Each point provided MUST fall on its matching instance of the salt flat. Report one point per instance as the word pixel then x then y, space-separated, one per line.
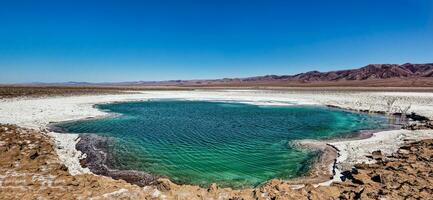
pixel 37 113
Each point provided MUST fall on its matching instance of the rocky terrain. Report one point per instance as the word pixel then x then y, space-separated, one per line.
pixel 33 91
pixel 30 169
pixel 14 91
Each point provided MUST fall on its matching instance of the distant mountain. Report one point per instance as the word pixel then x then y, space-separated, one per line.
pixel 405 75
pixel 371 75
pixel 373 71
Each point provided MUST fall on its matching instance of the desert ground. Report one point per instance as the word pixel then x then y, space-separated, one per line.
pixel 394 164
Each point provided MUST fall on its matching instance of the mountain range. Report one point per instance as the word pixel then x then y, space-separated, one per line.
pixel 371 75
pixel 392 75
pixel 369 72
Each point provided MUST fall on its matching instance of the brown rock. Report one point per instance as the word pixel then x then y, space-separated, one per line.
pixel 164 184
pixel 38 173
pixel 213 188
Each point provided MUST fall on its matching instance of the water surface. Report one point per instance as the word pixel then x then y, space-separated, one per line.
pixel 231 144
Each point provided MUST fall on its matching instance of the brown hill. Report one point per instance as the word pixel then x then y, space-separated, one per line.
pixel 373 71
pixel 385 75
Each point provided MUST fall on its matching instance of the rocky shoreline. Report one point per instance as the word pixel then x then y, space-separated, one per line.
pixel 99 161
pixel 38 113
pixel 30 168
pixel 323 171
pixel 322 168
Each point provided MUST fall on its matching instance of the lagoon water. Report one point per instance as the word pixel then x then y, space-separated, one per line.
pixel 231 144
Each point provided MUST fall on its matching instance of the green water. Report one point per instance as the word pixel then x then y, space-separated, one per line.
pixel 231 144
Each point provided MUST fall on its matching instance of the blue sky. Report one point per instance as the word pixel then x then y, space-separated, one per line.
pixel 97 41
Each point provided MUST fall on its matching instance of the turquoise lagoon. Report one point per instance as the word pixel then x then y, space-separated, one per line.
pixel 231 144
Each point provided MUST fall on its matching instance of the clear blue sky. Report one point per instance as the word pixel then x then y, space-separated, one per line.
pixel 96 41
